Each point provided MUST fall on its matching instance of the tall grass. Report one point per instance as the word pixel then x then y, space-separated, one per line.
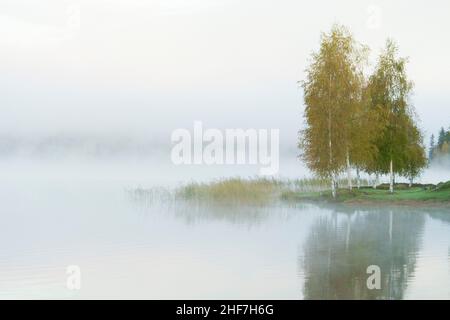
pixel 253 191
pixel 233 190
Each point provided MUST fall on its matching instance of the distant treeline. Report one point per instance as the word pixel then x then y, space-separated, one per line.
pixel 441 149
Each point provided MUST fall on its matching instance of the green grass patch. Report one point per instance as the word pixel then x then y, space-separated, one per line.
pixel 402 193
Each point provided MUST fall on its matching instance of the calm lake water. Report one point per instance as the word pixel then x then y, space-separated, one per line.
pixel 138 247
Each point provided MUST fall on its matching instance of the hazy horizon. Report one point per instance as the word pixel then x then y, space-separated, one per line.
pixel 144 68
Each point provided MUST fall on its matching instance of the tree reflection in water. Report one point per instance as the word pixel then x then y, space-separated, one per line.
pixel 342 245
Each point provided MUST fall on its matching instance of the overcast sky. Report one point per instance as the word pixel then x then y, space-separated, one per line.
pixel 135 66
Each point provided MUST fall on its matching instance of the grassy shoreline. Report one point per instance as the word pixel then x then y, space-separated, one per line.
pixel 266 191
pixel 417 195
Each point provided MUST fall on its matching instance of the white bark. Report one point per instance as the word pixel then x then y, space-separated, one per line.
pixel 349 173
pixel 375 184
pixel 333 186
pixel 410 181
pixel 391 184
pixel 358 178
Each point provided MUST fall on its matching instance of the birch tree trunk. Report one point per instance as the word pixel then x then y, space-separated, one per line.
pixel 358 179
pixel 410 181
pixel 375 184
pixel 330 144
pixel 391 184
pixel 349 173
pixel 333 186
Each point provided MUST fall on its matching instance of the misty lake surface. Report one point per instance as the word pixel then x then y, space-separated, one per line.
pixel 131 246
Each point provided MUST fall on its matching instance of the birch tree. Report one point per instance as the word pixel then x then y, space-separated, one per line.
pixel 332 96
pixel 390 90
